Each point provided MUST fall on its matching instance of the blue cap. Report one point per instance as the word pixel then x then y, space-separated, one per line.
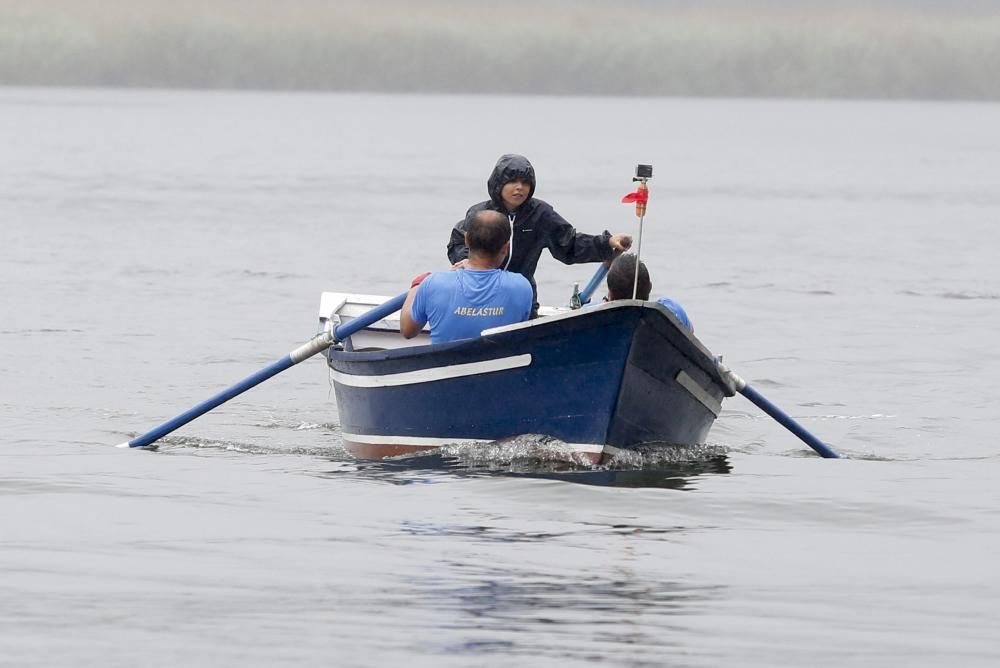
pixel 677 310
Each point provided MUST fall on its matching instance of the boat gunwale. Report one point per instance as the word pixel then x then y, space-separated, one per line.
pixel 492 335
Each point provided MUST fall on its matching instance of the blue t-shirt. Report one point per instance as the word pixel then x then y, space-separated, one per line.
pixel 460 304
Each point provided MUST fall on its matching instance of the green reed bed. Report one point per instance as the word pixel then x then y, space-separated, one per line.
pixel 478 47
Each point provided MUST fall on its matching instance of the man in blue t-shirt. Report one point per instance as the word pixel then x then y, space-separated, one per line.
pixel 462 303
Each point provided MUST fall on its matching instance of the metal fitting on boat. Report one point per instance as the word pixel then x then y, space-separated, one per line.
pixel 732 379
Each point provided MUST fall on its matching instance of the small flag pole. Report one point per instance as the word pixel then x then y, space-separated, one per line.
pixel 641 196
pixel 640 210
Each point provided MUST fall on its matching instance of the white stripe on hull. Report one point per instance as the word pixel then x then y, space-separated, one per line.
pixel 431 375
pixel 427 442
pixel 699 393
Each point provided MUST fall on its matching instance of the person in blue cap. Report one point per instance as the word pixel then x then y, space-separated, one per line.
pixel 621 279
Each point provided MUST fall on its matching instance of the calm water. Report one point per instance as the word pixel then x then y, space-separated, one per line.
pixel 156 247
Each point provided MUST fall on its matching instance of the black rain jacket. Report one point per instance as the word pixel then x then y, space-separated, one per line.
pixel 534 226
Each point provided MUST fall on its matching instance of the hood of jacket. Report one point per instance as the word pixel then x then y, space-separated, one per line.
pixel 508 168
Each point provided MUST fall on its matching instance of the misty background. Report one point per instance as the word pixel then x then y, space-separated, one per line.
pixel 908 49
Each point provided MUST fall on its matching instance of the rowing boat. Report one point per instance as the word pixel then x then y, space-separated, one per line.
pixel 596 380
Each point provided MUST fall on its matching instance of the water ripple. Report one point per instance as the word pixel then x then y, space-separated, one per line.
pixel 967 295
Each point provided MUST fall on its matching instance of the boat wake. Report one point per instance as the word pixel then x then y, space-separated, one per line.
pixel 529 455
pixel 537 456
pixel 201 445
pixel 538 452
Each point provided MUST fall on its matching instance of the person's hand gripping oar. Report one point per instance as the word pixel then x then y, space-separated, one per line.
pixel 619 244
pixel 317 344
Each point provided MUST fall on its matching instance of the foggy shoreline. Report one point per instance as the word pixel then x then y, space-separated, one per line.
pixel 548 48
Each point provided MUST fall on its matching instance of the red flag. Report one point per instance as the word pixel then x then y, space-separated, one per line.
pixel 640 196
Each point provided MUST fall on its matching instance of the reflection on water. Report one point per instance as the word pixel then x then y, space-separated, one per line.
pixel 484 533
pixel 492 611
pixel 677 476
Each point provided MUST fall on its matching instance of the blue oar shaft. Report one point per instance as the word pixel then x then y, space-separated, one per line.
pixel 369 317
pixel 317 344
pixel 788 422
pixel 595 283
pixel 205 406
pixel 783 418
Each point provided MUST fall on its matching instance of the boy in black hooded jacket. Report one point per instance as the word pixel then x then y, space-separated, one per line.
pixel 534 226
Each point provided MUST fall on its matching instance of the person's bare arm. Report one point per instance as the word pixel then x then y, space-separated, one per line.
pixel 409 327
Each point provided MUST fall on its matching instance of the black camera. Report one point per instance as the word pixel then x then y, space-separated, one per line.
pixel 643 172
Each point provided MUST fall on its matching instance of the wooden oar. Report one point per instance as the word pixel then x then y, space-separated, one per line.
pixel 318 344
pixel 783 418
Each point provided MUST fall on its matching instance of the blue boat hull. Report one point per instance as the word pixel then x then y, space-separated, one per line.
pixel 601 379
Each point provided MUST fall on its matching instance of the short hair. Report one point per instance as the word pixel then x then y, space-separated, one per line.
pixel 487 232
pixel 621 278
